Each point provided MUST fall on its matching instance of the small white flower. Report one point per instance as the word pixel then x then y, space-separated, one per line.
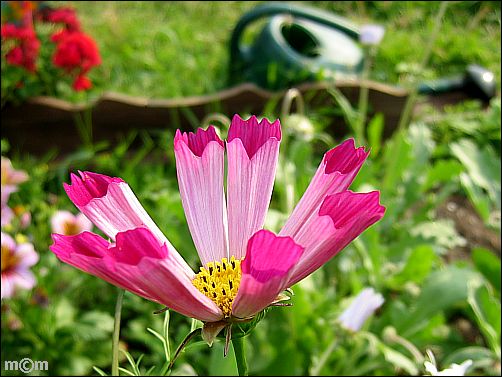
pixel 363 306
pixel 453 370
pixel 371 35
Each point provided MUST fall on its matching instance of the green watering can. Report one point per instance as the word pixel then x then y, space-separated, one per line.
pixel 312 45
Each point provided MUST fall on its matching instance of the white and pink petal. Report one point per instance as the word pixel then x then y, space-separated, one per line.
pixel 135 263
pixel 110 204
pixel 252 152
pixel 200 165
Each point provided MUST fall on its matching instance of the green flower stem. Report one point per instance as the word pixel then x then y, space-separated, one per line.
pixel 316 369
pixel 363 96
pixel 410 102
pixel 83 122
pixel 116 334
pixel 240 357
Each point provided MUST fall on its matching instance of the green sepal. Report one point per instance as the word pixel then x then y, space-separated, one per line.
pixel 243 328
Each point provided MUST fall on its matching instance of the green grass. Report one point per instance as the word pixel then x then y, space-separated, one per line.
pixel 174 49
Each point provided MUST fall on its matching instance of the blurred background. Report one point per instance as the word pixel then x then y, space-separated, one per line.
pixel 102 86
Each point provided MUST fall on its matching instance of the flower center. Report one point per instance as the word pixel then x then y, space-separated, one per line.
pixel 220 282
pixel 9 259
pixel 71 228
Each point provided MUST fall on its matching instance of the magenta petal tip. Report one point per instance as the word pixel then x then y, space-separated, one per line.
pixel 253 134
pixel 345 158
pixel 197 141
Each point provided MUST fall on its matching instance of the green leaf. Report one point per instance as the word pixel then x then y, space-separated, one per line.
pixel 134 364
pixel 99 371
pixel 375 130
pixel 348 112
pixel 482 165
pixel 442 171
pixel 126 371
pixel 397 159
pixel 478 198
pixel 442 232
pixel 398 359
pixel 417 267
pixel 219 365
pixel 184 370
pixel 420 138
pixel 392 356
pixel 441 290
pixel 94 326
pixel 486 307
pixel 474 353
pixel 488 264
pixel 64 313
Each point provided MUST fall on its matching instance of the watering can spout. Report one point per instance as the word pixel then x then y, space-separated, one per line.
pixel 477 82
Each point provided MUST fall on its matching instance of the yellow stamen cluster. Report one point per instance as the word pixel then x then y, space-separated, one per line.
pixel 220 281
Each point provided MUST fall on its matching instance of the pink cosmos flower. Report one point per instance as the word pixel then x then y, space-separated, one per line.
pixel 16 262
pixel 245 268
pixel 65 222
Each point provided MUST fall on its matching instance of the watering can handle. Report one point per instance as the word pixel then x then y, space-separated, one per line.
pixel 237 54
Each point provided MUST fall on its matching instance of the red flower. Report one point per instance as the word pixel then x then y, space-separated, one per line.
pixel 60 35
pixel 66 16
pixel 13 31
pixel 9 31
pixel 82 83
pixel 15 56
pixel 25 52
pixel 76 51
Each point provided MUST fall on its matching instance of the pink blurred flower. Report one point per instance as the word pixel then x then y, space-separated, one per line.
pixel 245 268
pixel 11 176
pixel 16 262
pixel 65 222
pixel 361 308
pixel 10 179
pixel 7 213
